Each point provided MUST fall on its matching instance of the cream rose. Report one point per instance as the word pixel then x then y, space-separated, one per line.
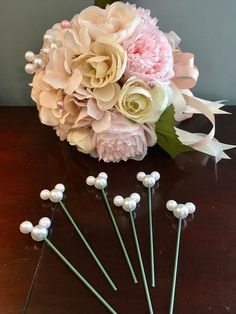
pixel 141 104
pixel 107 96
pixel 116 23
pixel 82 139
pixel 104 65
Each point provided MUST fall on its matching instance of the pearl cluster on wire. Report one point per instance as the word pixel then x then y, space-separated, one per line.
pixel 39 61
pixel 180 211
pixel 128 203
pixel 35 62
pixel 148 180
pixel 38 232
pixel 100 182
pixel 55 195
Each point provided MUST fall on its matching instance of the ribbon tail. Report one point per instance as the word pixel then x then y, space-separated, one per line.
pixel 213 148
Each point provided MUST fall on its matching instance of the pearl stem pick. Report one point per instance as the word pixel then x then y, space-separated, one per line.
pixel 172 299
pixel 85 282
pixel 119 236
pixel 88 246
pixel 181 212
pixel 141 263
pixel 149 181
pixel 151 235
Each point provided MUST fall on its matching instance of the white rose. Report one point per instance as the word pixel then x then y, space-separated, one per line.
pixel 141 104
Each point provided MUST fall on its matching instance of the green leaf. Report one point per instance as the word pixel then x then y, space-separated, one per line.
pixel 102 3
pixel 166 135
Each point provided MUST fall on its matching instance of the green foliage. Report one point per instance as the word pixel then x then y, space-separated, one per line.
pixel 167 138
pixel 102 3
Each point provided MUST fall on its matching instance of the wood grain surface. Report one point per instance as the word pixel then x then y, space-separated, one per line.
pixel 34 280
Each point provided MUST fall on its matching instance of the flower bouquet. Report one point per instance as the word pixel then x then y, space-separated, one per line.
pixel 110 82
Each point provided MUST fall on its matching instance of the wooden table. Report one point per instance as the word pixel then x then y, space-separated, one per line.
pixel 34 280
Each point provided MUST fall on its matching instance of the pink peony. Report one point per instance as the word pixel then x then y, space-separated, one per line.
pixel 149 53
pixel 123 140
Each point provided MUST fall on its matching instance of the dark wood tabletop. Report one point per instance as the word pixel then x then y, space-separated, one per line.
pixel 34 280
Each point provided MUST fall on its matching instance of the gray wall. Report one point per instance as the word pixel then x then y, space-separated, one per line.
pixel 207 28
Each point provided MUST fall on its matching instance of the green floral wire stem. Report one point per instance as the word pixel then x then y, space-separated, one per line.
pixel 151 235
pixel 172 299
pixel 141 264
pixel 119 236
pixel 88 246
pixel 85 282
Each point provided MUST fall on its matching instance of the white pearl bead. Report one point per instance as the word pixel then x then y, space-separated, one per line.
pixel 45 222
pixel 191 207
pixel 171 204
pixel 155 175
pixel 90 181
pixel 148 181
pixel 29 56
pixel 181 211
pixel 118 200
pixel 103 175
pixel 38 62
pixel 30 68
pixel 136 197
pixel 47 38
pixel 60 187
pixel 129 204
pixel 45 195
pixel 26 227
pixel 56 196
pixel 45 50
pixel 39 233
pixel 140 176
pixel 53 46
pixel 100 183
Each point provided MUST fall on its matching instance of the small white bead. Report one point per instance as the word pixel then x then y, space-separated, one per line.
pixel 155 175
pixel 103 175
pixel 181 211
pixel 129 204
pixel 45 222
pixel 26 227
pixel 60 187
pixel 45 195
pixel 136 197
pixel 118 200
pixel 171 204
pixel 47 38
pixel 148 181
pixel 39 233
pixel 45 50
pixel 30 68
pixel 140 176
pixel 56 196
pixel 29 56
pixel 53 46
pixel 191 207
pixel 38 62
pixel 90 181
pixel 100 183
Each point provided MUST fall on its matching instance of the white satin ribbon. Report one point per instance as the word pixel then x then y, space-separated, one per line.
pixel 186 105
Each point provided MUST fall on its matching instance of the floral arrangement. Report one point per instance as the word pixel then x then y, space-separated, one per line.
pixel 113 84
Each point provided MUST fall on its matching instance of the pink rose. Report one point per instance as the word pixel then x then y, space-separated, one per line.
pixel 123 140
